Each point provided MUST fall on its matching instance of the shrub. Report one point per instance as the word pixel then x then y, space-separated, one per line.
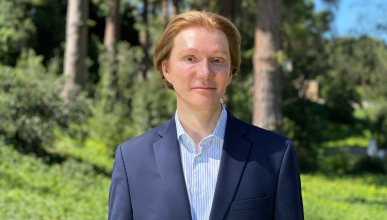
pixel 95 140
pixel 371 165
pixel 30 106
pixel 153 103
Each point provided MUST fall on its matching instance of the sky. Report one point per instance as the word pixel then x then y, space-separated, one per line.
pixel 357 17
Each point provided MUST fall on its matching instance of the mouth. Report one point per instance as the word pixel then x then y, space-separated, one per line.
pixel 204 88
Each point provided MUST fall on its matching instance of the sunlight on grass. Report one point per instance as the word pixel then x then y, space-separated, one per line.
pixel 348 197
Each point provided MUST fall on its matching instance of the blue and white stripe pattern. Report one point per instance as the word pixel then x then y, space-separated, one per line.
pixel 201 168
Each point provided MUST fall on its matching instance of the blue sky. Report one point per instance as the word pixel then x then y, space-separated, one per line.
pixel 357 17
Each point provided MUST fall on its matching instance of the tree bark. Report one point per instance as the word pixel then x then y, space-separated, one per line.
pixel 228 8
pixel 267 93
pixel 113 26
pixel 143 38
pixel 164 9
pixel 112 36
pixel 175 8
pixel 76 48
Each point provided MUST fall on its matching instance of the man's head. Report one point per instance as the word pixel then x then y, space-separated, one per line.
pixel 195 19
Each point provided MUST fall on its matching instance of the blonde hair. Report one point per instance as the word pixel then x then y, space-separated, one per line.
pixel 198 19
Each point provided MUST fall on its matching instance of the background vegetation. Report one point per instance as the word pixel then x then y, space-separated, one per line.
pixel 56 157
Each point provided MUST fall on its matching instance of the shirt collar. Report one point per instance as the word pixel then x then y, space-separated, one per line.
pixel 219 129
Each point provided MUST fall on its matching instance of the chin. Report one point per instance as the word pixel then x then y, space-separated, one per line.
pixel 204 104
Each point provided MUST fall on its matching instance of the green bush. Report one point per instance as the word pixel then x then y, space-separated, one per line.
pixel 95 140
pixel 340 161
pixel 371 165
pixel 31 189
pixel 30 106
pixel 16 28
pixel 153 103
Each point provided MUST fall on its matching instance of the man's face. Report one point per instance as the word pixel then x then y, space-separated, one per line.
pixel 199 67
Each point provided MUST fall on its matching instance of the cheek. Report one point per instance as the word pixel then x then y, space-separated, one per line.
pixel 224 75
pixel 183 74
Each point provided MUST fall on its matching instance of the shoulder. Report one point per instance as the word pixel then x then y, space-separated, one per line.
pixel 262 138
pixel 263 134
pixel 144 140
pixel 267 147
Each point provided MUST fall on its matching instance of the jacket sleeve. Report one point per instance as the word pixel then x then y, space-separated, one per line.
pixel 288 204
pixel 120 206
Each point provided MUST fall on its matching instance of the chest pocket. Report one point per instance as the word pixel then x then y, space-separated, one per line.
pixel 249 204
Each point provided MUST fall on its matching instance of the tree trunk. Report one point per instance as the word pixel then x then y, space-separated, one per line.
pixel 228 8
pixel 76 48
pixel 112 35
pixel 143 38
pixel 267 93
pixel 175 8
pixel 113 26
pixel 202 5
pixel 164 9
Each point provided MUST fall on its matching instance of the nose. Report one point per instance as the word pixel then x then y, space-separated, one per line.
pixel 204 72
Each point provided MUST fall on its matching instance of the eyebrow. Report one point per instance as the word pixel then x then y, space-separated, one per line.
pixel 195 50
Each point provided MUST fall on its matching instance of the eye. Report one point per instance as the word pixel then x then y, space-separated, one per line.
pixel 217 60
pixel 189 59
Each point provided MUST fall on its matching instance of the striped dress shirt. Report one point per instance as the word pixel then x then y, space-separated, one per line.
pixel 201 168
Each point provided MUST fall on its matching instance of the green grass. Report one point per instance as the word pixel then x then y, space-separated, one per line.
pixel 349 197
pixel 31 189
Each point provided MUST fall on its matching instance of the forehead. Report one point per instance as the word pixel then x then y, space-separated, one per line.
pixel 201 40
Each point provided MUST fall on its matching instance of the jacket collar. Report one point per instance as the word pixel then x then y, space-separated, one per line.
pixel 234 156
pixel 167 154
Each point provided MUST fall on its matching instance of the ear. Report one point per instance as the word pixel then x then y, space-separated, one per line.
pixel 230 77
pixel 166 72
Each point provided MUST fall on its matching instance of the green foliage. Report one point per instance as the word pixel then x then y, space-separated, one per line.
pixel 153 103
pixel 339 94
pixel 355 134
pixel 304 122
pixel 49 19
pixel 240 97
pixel 350 141
pixel 360 62
pixel 109 124
pixel 344 197
pixel 30 105
pixel 118 74
pixel 95 140
pixel 340 162
pixel 356 74
pixel 16 28
pixel 371 165
pixel 30 189
pixel 120 105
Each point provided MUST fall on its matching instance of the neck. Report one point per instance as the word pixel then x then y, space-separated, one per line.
pixel 198 124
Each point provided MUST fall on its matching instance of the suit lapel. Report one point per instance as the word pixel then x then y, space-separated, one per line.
pixel 234 156
pixel 168 161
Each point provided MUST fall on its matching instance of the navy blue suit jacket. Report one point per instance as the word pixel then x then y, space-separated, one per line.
pixel 258 177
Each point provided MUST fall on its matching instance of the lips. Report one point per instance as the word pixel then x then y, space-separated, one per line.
pixel 205 88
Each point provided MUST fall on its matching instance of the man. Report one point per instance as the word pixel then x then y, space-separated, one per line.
pixel 204 163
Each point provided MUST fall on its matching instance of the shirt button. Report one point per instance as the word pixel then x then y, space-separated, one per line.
pixel 200 191
pixel 199 158
pixel 188 141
